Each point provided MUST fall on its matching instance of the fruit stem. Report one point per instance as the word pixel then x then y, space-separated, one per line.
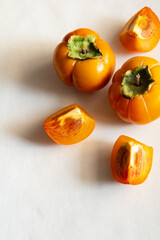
pixel 138 80
pixel 84 51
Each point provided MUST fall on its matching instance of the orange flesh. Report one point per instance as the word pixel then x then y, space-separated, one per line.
pixel 69 125
pixel 142 26
pixel 122 162
pixel 131 161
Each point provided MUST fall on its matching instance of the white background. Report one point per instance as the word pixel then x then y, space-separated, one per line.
pixel 54 192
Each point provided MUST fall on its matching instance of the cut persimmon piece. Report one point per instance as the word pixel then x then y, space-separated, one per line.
pixel 131 161
pixel 69 125
pixel 142 32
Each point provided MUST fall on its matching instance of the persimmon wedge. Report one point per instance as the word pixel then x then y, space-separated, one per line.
pixel 131 161
pixel 142 32
pixel 69 125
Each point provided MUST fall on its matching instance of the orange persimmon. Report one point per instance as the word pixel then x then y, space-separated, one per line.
pixel 135 90
pixel 69 125
pixel 142 32
pixel 131 161
pixel 84 60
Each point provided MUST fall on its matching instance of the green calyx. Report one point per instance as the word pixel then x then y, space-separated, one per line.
pixel 83 48
pixel 136 82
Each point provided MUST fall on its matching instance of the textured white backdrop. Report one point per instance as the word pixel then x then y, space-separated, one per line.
pixel 53 192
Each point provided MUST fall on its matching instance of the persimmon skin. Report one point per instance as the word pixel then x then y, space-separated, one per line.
pixel 144 108
pixel 69 125
pixel 145 36
pixel 86 75
pixel 134 166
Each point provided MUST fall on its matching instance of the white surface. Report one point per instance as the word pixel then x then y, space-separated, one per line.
pixel 48 191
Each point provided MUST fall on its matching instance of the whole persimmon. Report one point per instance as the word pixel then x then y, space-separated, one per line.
pixel 69 125
pixel 142 32
pixel 131 161
pixel 135 90
pixel 84 60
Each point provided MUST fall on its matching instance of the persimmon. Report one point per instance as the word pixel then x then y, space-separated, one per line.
pixel 131 161
pixel 135 90
pixel 84 60
pixel 69 125
pixel 142 32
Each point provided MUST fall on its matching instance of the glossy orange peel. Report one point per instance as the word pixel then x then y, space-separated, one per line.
pixel 84 60
pixel 142 32
pixel 69 125
pixel 143 108
pixel 131 161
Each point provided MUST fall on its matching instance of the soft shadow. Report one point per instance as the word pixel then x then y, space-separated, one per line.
pixel 30 65
pixel 95 163
pixel 41 76
pixel 97 104
pixel 33 132
pixel 33 69
pixel 37 134
pixel 101 110
pixel 44 78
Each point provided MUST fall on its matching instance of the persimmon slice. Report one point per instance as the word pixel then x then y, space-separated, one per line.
pixel 131 160
pixel 70 125
pixel 142 32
